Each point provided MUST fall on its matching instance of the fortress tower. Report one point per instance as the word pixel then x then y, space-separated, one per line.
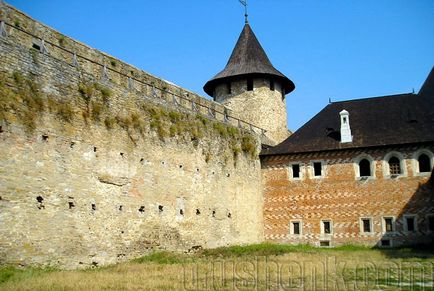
pixel 250 86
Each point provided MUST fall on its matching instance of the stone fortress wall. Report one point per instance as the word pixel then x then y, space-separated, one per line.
pixel 101 162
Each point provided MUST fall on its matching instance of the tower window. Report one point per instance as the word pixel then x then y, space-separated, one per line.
pixel 249 84
pixel 394 166
pixel 228 88
pixel 272 88
pixel 424 163
pixel 365 168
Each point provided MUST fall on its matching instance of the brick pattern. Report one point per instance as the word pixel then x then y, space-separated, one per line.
pixel 344 199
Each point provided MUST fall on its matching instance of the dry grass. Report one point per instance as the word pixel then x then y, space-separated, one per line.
pixel 256 267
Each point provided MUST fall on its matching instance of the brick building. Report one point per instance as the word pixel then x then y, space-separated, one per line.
pixel 357 172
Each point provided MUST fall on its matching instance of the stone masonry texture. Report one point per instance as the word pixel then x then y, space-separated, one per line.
pixel 261 106
pixel 98 168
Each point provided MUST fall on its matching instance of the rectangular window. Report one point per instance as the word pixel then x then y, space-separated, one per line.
pixel 296 226
pixel 430 219
pixel 295 171
pixel 324 243
pixel 385 243
pixel 410 222
pixel 272 85
pixel 249 84
pixel 388 224
pixel 326 227
pixel 317 169
pixel 366 225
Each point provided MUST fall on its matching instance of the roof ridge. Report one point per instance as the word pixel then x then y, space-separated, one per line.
pixel 374 97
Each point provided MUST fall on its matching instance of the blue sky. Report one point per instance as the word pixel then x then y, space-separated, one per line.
pixel 330 49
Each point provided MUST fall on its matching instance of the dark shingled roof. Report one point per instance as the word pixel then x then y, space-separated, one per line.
pixel 248 58
pixel 379 121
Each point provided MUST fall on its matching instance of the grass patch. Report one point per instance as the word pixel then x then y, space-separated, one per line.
pixel 262 249
pixel 163 258
pixel 14 274
pixel 261 266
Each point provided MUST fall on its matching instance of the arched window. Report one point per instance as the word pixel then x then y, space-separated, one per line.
pixel 394 166
pixel 365 168
pixel 424 163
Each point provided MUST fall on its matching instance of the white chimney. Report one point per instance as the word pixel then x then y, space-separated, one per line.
pixel 345 127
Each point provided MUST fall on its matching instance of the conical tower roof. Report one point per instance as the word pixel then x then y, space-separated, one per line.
pixel 248 59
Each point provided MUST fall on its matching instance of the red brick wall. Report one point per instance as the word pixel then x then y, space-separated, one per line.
pixel 344 199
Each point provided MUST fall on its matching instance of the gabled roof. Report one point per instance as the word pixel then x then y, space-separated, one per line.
pixel 247 58
pixel 378 121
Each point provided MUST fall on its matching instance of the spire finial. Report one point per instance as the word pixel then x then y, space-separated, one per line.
pixel 244 3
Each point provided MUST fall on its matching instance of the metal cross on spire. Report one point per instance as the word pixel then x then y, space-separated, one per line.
pixel 244 3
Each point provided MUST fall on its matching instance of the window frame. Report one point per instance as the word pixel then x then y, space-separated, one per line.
pixel 402 164
pixel 371 225
pixel 291 173
pixel 291 227
pixel 312 169
pixel 322 228
pixel 383 224
pixel 372 166
pixel 405 223
pixel 415 159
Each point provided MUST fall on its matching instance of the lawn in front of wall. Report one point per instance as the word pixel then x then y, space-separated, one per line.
pixel 253 267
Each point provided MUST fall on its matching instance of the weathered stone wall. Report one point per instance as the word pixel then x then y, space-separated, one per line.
pixel 96 168
pixel 344 198
pixel 262 107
